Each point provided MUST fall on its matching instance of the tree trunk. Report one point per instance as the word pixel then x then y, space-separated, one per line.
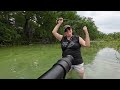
pixel 26 30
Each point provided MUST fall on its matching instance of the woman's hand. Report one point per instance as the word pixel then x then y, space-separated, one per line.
pixel 85 29
pixel 59 21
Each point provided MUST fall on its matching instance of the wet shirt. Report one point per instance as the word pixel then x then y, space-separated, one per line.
pixel 72 47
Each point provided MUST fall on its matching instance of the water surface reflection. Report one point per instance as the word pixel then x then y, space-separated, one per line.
pixel 105 66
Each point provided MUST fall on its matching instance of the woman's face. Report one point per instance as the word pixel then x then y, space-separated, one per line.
pixel 68 32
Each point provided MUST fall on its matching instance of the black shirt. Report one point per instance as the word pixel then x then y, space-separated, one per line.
pixel 72 47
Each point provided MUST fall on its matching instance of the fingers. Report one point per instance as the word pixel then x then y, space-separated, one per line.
pixel 85 27
pixel 59 20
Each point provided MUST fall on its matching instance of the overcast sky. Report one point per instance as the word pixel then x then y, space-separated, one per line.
pixel 106 21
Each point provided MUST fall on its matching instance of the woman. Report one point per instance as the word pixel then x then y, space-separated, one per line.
pixel 71 45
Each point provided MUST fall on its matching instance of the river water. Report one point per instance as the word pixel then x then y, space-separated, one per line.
pixel 106 65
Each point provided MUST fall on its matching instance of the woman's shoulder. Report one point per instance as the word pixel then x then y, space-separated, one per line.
pixel 63 38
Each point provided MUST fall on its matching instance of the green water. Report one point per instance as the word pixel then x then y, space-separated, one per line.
pixel 29 62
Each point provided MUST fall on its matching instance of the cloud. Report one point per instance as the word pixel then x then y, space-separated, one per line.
pixel 106 21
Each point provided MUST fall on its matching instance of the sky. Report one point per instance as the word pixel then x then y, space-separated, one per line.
pixel 106 21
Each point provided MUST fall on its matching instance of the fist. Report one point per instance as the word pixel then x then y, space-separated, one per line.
pixel 84 28
pixel 59 21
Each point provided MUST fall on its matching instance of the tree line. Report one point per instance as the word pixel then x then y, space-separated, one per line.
pixel 27 27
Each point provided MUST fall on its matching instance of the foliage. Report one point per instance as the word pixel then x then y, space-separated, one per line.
pixel 26 27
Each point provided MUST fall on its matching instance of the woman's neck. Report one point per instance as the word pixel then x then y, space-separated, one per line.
pixel 69 37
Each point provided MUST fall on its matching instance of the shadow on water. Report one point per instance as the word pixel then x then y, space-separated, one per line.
pixel 105 66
